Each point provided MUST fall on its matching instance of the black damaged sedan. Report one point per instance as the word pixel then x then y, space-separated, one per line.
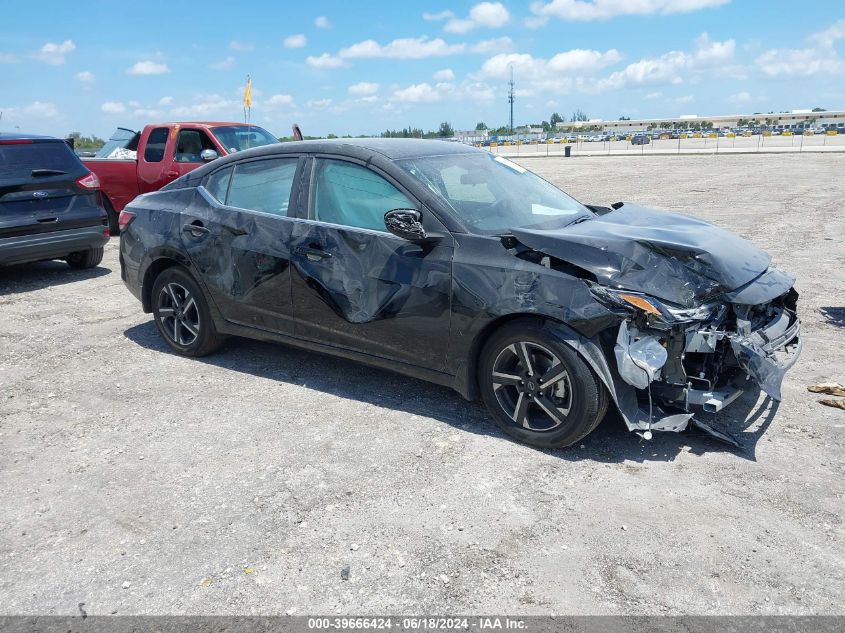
pixel 450 264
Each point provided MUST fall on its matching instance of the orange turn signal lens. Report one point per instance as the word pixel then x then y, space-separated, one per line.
pixel 640 302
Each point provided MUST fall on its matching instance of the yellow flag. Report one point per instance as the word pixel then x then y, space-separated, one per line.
pixel 248 93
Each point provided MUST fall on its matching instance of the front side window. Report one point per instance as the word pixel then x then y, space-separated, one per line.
pixel 352 195
pixel 190 144
pixel 492 195
pixel 156 142
pixel 263 185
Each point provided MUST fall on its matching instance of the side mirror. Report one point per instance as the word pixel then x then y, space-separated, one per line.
pixel 405 223
pixel 208 155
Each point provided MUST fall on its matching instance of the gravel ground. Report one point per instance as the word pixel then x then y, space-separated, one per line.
pixel 265 480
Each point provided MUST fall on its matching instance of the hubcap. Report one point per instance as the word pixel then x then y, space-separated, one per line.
pixel 178 314
pixel 532 386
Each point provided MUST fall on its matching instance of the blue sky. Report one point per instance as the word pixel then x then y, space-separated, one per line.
pixel 362 67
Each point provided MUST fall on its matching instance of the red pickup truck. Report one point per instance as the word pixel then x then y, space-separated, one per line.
pixel 132 163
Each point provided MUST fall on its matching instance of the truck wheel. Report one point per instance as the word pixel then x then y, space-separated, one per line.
pixel 114 227
pixel 85 259
pixel 181 314
pixel 538 389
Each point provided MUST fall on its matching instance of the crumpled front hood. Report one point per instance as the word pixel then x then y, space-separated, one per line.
pixel 667 255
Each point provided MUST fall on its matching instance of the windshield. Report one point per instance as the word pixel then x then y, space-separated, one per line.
pixel 237 137
pixel 52 158
pixel 122 139
pixel 493 195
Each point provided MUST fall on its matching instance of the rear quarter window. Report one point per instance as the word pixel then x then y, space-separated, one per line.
pixel 18 161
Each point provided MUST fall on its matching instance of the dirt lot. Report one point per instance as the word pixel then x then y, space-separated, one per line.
pixel 255 480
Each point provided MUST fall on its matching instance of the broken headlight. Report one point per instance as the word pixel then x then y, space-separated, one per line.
pixel 639 302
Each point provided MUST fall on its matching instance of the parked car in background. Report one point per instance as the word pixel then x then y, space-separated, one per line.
pixel 460 267
pixel 640 139
pixel 131 163
pixel 50 204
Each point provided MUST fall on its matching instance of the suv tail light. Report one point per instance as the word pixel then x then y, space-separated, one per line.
pixel 89 181
pixel 16 141
pixel 125 219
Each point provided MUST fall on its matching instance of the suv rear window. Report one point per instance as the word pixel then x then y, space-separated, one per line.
pixel 18 160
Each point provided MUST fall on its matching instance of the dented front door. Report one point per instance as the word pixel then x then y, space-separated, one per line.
pixel 360 287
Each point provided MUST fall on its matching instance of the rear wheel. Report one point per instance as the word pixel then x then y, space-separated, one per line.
pixel 538 389
pixel 181 314
pixel 88 258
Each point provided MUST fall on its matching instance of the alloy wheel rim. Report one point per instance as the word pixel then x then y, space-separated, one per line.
pixel 178 314
pixel 532 386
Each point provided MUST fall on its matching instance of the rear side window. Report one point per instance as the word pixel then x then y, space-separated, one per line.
pixel 217 184
pixel 154 152
pixel 17 162
pixel 263 185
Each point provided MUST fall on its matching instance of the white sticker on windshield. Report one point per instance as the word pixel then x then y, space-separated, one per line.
pixel 540 209
pixel 507 163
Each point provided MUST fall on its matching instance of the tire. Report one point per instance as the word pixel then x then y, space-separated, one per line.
pixel 85 259
pixel 520 403
pixel 113 216
pixel 181 314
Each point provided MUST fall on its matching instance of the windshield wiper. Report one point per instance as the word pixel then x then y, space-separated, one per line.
pixel 35 173
pixel 578 220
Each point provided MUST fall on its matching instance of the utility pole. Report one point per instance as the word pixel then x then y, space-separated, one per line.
pixel 510 98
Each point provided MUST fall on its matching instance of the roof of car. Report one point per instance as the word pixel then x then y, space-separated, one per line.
pixel 391 148
pixel 7 136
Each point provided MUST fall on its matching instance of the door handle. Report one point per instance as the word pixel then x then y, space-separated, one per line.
pixel 313 254
pixel 195 229
pixel 172 174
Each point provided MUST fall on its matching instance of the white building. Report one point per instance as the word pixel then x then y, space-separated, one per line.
pixel 832 119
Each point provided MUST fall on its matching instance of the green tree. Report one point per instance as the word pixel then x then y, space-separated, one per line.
pixel 579 115
pixel 480 126
pixel 445 130
pixel 819 110
pixel 555 119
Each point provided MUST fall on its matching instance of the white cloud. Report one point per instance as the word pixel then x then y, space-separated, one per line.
pixel 819 59
pixel 651 96
pixel 491 15
pixel 147 67
pixel 685 99
pixel 241 47
pixel 279 100
pixel 444 75
pixel 86 77
pixel 113 107
pixel 363 88
pixel 295 41
pixel 34 111
pixel 406 48
pixel 205 105
pixel 584 10
pixel 319 103
pixel 830 35
pixel 799 62
pixel 165 101
pixel 740 97
pixel 417 93
pixel 147 113
pixel 532 70
pixel 54 54
pixel 325 61
pixel 435 17
pixel 8 58
pixel 223 64
pixel 670 67
pixel 322 22
pixel 535 21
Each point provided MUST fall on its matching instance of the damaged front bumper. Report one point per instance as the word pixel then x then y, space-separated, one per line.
pixel 708 365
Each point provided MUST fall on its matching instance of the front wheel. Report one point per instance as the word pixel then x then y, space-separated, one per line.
pixel 538 389
pixel 182 315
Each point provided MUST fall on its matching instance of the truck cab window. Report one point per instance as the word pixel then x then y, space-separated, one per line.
pixel 190 144
pixel 154 152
